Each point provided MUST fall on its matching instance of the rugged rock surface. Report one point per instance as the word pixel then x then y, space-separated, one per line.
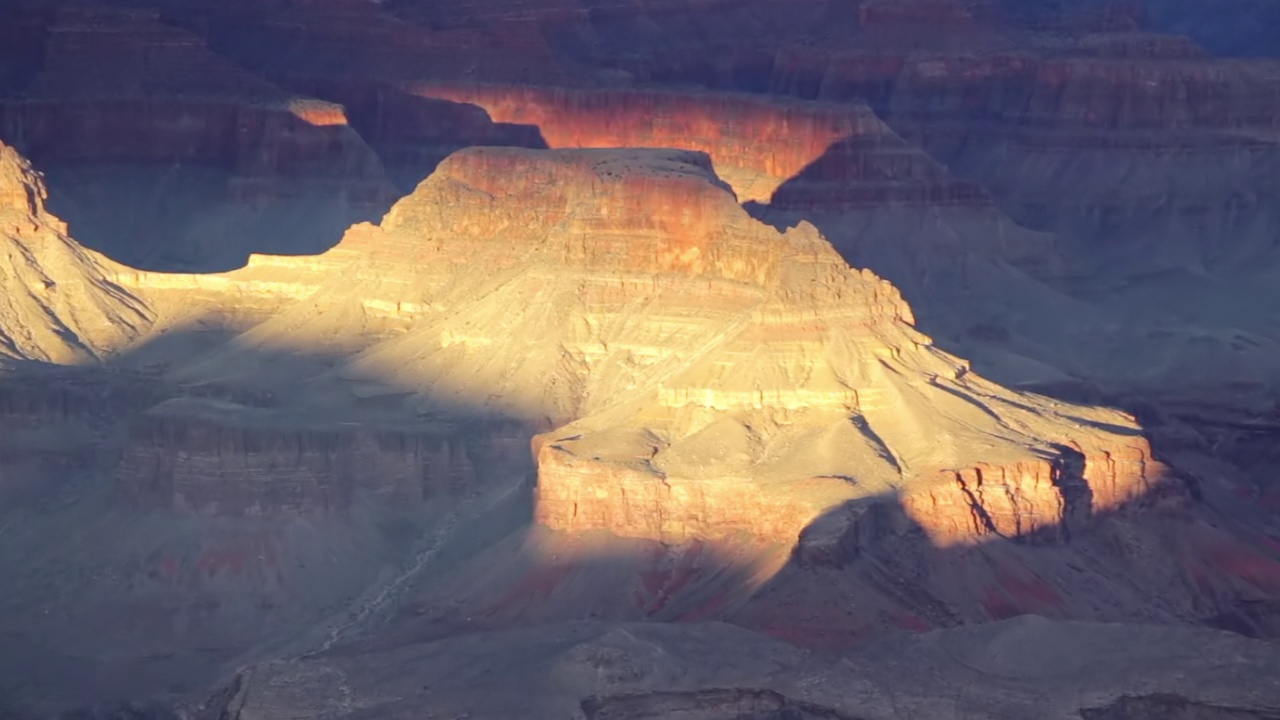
pixel 882 202
pixel 732 423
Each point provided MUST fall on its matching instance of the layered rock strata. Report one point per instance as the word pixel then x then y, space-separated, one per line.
pixel 882 202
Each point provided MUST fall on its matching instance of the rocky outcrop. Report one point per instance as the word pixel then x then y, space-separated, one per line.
pixel 59 301
pixel 1042 501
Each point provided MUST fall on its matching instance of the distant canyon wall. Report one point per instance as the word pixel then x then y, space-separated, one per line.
pixel 196 463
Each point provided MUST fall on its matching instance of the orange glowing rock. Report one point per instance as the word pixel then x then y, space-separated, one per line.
pixel 842 153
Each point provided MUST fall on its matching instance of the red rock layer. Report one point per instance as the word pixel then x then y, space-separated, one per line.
pixel 1121 93
pixel 577 494
pixel 496 196
pixel 827 155
pixel 1104 82
pixel 1043 501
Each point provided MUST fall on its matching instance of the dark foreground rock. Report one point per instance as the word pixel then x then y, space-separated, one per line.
pixel 1023 668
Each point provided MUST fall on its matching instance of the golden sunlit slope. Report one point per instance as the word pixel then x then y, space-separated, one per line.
pixel 709 375
pixel 57 302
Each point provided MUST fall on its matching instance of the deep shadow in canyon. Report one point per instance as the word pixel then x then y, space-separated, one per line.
pixel 207 207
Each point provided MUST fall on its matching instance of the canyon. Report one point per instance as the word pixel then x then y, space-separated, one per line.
pixel 666 358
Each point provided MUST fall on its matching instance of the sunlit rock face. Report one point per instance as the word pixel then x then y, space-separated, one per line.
pixel 883 203
pixel 717 376
pixel 121 110
pixel 59 302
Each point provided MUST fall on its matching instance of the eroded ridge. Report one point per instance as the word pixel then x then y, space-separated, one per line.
pixel 60 301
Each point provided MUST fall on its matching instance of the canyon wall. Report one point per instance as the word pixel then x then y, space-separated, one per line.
pixel 120 109
pixel 825 155
pixel 219 459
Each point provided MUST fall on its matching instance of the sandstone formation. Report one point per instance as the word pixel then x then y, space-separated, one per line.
pixel 708 383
